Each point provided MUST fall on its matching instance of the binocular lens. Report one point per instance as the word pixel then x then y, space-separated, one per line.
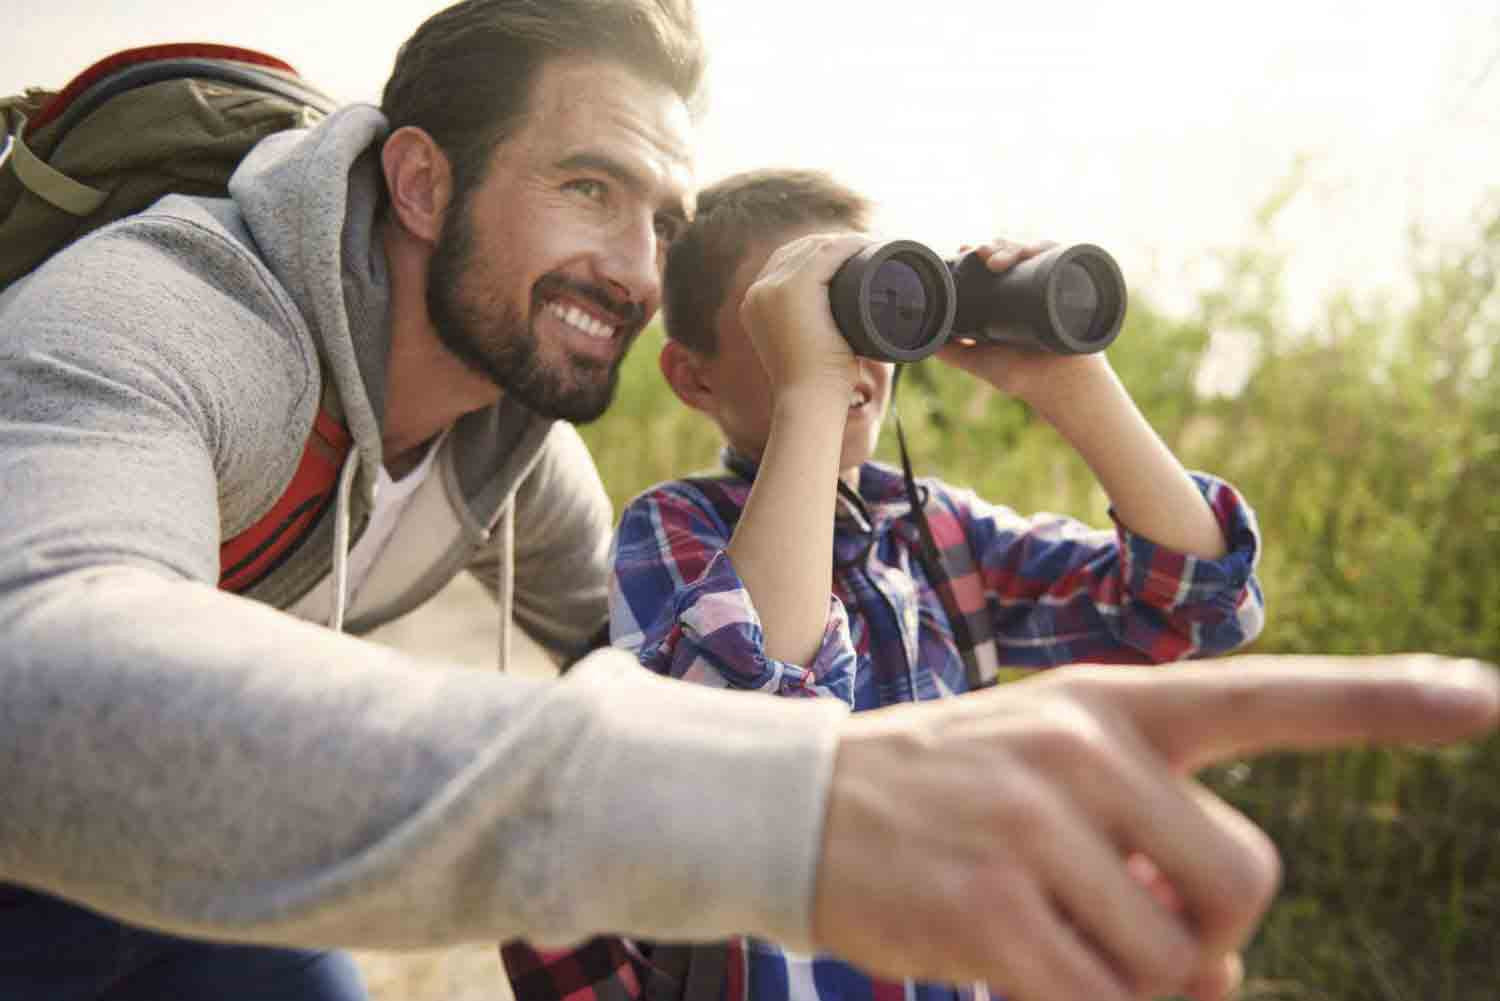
pixel 894 301
pixel 1067 300
pixel 1077 301
pixel 898 303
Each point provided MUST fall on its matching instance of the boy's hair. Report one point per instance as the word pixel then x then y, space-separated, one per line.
pixel 465 76
pixel 733 215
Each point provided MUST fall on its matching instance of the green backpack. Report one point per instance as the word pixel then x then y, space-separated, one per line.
pixel 131 128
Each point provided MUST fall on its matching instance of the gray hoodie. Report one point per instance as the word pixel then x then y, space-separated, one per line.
pixel 202 763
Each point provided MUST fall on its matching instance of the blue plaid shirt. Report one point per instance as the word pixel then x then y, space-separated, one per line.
pixel 1057 592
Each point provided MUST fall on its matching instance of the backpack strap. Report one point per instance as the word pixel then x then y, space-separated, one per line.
pixel 46 182
pixel 259 549
pixel 712 971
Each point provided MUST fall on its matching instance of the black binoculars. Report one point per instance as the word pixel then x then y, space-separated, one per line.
pixel 899 301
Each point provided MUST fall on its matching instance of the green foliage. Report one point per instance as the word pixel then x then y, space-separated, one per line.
pixel 1369 445
pixel 648 435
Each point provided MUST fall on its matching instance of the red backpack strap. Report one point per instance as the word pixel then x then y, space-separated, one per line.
pixel 250 555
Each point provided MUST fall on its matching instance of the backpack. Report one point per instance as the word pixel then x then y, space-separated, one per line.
pixel 140 124
pixel 131 128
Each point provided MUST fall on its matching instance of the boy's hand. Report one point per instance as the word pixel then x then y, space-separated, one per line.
pixel 788 318
pixel 1046 838
pixel 1030 375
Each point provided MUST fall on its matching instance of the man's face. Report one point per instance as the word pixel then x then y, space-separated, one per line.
pixel 742 390
pixel 550 266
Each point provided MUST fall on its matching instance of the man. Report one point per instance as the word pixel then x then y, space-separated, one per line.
pixel 438 281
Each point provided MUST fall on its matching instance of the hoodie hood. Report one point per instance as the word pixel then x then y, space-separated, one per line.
pixel 309 198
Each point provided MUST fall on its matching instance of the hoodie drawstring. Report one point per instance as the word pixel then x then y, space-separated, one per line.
pixel 341 541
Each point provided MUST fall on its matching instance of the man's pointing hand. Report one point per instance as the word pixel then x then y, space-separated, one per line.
pixel 1002 836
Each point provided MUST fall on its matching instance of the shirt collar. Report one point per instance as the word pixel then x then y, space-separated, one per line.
pixel 881 487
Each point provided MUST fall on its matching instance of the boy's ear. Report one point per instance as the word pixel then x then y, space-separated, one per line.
pixel 682 367
pixel 419 180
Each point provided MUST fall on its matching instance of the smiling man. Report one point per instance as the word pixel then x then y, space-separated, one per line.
pixel 203 786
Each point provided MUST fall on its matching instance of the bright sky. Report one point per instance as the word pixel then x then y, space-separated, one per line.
pixel 1153 128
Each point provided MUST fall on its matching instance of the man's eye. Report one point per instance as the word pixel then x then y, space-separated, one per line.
pixel 589 188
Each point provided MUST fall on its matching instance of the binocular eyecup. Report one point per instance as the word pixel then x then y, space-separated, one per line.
pixel 899 301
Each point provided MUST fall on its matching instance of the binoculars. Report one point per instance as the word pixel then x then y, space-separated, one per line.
pixel 899 301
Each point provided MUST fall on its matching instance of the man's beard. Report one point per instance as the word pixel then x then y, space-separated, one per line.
pixel 500 345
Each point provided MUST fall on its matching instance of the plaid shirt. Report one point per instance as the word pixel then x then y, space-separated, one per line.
pixel 1056 591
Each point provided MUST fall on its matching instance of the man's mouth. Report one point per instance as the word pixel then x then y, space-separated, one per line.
pixel 580 321
pixel 587 311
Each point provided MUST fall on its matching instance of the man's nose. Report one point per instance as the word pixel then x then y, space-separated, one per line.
pixel 632 265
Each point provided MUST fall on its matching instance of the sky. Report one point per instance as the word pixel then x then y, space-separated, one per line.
pixel 1154 129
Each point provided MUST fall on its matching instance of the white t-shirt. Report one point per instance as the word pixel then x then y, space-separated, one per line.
pixel 391 497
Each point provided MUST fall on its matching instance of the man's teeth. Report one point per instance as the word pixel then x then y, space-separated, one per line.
pixel 581 321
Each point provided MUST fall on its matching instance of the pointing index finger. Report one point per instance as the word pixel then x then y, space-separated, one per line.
pixel 1198 714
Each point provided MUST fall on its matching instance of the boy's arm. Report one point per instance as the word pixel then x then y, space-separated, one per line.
pixel 676 600
pixel 783 545
pixel 1150 491
pixel 1082 398
pixel 1176 581
pixel 1062 592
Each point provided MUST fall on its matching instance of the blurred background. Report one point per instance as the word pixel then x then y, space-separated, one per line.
pixel 1304 198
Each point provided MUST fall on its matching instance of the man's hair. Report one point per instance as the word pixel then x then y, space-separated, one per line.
pixel 465 76
pixel 733 215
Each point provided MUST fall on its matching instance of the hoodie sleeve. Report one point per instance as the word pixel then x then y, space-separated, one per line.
pixel 193 761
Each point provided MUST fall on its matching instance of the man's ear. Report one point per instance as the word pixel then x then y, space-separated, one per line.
pixel 419 180
pixel 683 368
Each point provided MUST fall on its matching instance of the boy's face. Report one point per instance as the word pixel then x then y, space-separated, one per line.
pixel 742 392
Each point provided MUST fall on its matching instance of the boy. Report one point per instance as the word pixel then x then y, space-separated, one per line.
pixel 726 581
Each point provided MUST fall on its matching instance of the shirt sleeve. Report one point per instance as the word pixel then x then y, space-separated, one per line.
pixel 676 599
pixel 606 968
pixel 1062 592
